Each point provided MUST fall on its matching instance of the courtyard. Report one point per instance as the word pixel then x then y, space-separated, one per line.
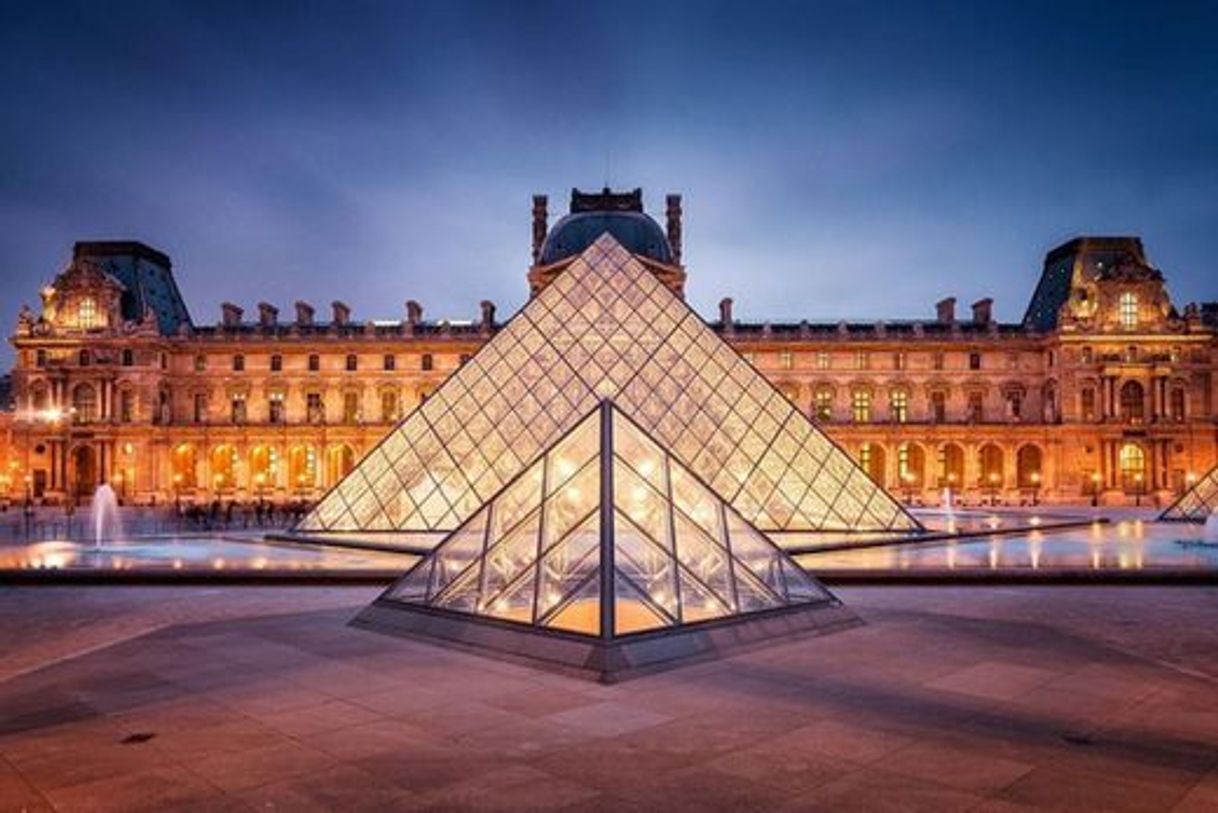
pixel 947 698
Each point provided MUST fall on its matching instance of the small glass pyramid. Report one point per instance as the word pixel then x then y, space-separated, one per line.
pixel 606 535
pixel 606 328
pixel 1196 504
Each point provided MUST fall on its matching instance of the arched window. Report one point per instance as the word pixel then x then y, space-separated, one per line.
pixel 84 401
pixel 991 466
pixel 871 459
pixel 1131 461
pixel 1132 402
pixel 1028 466
pixel 184 467
pixel 951 466
pixel 224 467
pixel 86 313
pixel 911 465
pixel 860 406
pixel 1129 310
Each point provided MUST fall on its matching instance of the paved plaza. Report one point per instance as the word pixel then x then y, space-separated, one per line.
pixel 252 698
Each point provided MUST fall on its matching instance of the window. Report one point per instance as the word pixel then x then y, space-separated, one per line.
pixel 822 360
pixel 862 360
pixel 164 361
pixel 238 363
pixel 276 363
pixel 427 362
pixel 785 360
pixel 352 362
pixel 128 358
pixel 237 409
pixel 350 407
pixel 898 406
pixel 389 363
pixel 389 406
pixel 40 358
pixel 1128 307
pixel 1132 463
pixel 1052 359
pixel 1015 405
pixel 1087 403
pixel 1133 407
pixel 315 408
pixel 976 407
pixel 938 407
pixel 936 360
pixel 1175 355
pixel 86 313
pixel 1131 353
pixel 314 363
pixel 823 406
pixel 1176 407
pixel 200 407
pixel 126 406
pixel 1013 361
pixel 974 361
pixel 898 360
pixel 84 402
pixel 860 406
pixel 275 409
pixel 83 358
pixel 200 363
pixel 1088 355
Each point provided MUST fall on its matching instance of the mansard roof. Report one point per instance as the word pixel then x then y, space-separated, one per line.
pixel 147 278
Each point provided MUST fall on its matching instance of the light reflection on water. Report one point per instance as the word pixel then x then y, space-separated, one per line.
pixel 1124 545
pixel 193 553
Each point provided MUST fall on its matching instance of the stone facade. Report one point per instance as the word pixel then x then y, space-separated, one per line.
pixel 1103 391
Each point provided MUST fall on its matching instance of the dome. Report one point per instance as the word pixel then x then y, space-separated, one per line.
pixel 637 233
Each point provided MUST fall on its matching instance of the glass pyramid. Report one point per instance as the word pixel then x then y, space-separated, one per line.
pixel 606 535
pixel 1196 504
pixel 606 328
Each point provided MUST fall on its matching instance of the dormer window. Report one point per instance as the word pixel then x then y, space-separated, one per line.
pixel 86 313
pixel 1129 310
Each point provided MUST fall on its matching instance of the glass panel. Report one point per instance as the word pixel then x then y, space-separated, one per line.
pixel 516 602
pixel 462 594
pixel 757 554
pixel 568 563
pixel 458 552
pixel 519 498
pixel 507 558
pixel 705 559
pixel 647 508
pixel 698 603
pixel 573 501
pixel 753 595
pixel 413 586
pixel 800 586
pixel 640 453
pixel 632 612
pixel 582 612
pixel 696 501
pixel 649 567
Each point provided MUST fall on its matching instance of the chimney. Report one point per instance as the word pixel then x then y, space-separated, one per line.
pixel 268 314
pixel 414 313
pixel 540 224
pixel 230 314
pixel 983 311
pixel 674 227
pixel 725 311
pixel 342 313
pixel 488 315
pixel 945 310
pixel 304 314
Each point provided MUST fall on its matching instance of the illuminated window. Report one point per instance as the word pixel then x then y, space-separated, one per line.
pixel 976 407
pixel 200 363
pixel 200 407
pixel 275 409
pixel 862 360
pixel 785 360
pixel 1132 463
pixel 1088 355
pixel 938 406
pixel 86 313
pixel 822 360
pixel 1129 310
pixel 899 406
pixel 898 360
pixel 126 406
pixel 860 406
pixel 936 361
pixel 1087 406
pixel 237 409
pixel 350 407
pixel 823 411
pixel 315 407
pixel 389 406
pixel 1177 404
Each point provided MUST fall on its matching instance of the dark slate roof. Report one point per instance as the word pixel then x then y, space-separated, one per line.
pixel 147 276
pixel 637 233
pixel 1101 257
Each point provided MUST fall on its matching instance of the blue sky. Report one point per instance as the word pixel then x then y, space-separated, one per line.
pixel 837 160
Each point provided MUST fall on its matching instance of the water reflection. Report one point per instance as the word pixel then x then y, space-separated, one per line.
pixel 1125 545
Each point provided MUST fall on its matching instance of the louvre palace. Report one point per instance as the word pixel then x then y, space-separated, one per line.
pixel 1103 392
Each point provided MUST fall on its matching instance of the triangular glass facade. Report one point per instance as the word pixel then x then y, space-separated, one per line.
pixel 605 535
pixel 606 328
pixel 1198 502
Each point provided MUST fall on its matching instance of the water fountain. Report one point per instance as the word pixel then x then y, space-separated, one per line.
pixel 107 524
pixel 949 510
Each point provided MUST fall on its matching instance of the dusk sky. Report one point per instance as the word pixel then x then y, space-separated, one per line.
pixel 837 160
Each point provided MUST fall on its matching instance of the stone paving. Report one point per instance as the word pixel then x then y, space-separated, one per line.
pixel 987 699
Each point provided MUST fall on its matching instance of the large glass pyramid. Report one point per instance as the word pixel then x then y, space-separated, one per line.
pixel 606 328
pixel 1196 504
pixel 605 537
